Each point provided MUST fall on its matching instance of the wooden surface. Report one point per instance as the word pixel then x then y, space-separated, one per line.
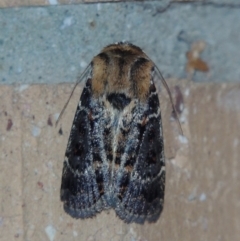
pixel 203 168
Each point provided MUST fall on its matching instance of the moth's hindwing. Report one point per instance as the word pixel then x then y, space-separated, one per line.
pixel 115 155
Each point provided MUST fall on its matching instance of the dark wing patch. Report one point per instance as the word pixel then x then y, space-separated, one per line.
pixel 118 100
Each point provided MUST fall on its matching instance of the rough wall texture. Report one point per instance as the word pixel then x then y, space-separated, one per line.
pixel 202 187
pixel 17 3
pixel 52 44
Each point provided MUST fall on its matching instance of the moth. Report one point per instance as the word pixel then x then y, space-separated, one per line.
pixel 115 153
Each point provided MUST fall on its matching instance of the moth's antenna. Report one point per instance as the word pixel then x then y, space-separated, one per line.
pixel 79 79
pixel 170 97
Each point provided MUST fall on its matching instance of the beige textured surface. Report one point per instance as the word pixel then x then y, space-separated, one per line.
pixel 202 199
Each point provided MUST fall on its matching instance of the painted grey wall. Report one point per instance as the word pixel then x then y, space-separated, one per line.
pixel 54 44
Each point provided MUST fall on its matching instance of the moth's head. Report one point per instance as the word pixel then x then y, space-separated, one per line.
pixel 123 47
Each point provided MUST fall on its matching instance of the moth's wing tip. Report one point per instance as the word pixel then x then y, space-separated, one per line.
pixel 80 213
pixel 129 217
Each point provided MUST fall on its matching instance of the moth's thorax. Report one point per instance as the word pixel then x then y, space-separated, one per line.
pixel 122 69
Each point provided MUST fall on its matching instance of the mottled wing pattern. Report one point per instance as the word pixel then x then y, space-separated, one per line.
pixel 140 179
pixel 85 169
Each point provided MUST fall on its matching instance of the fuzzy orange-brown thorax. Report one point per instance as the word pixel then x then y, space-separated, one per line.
pixel 122 69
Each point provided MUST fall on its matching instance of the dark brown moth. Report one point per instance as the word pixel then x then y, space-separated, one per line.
pixel 115 155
